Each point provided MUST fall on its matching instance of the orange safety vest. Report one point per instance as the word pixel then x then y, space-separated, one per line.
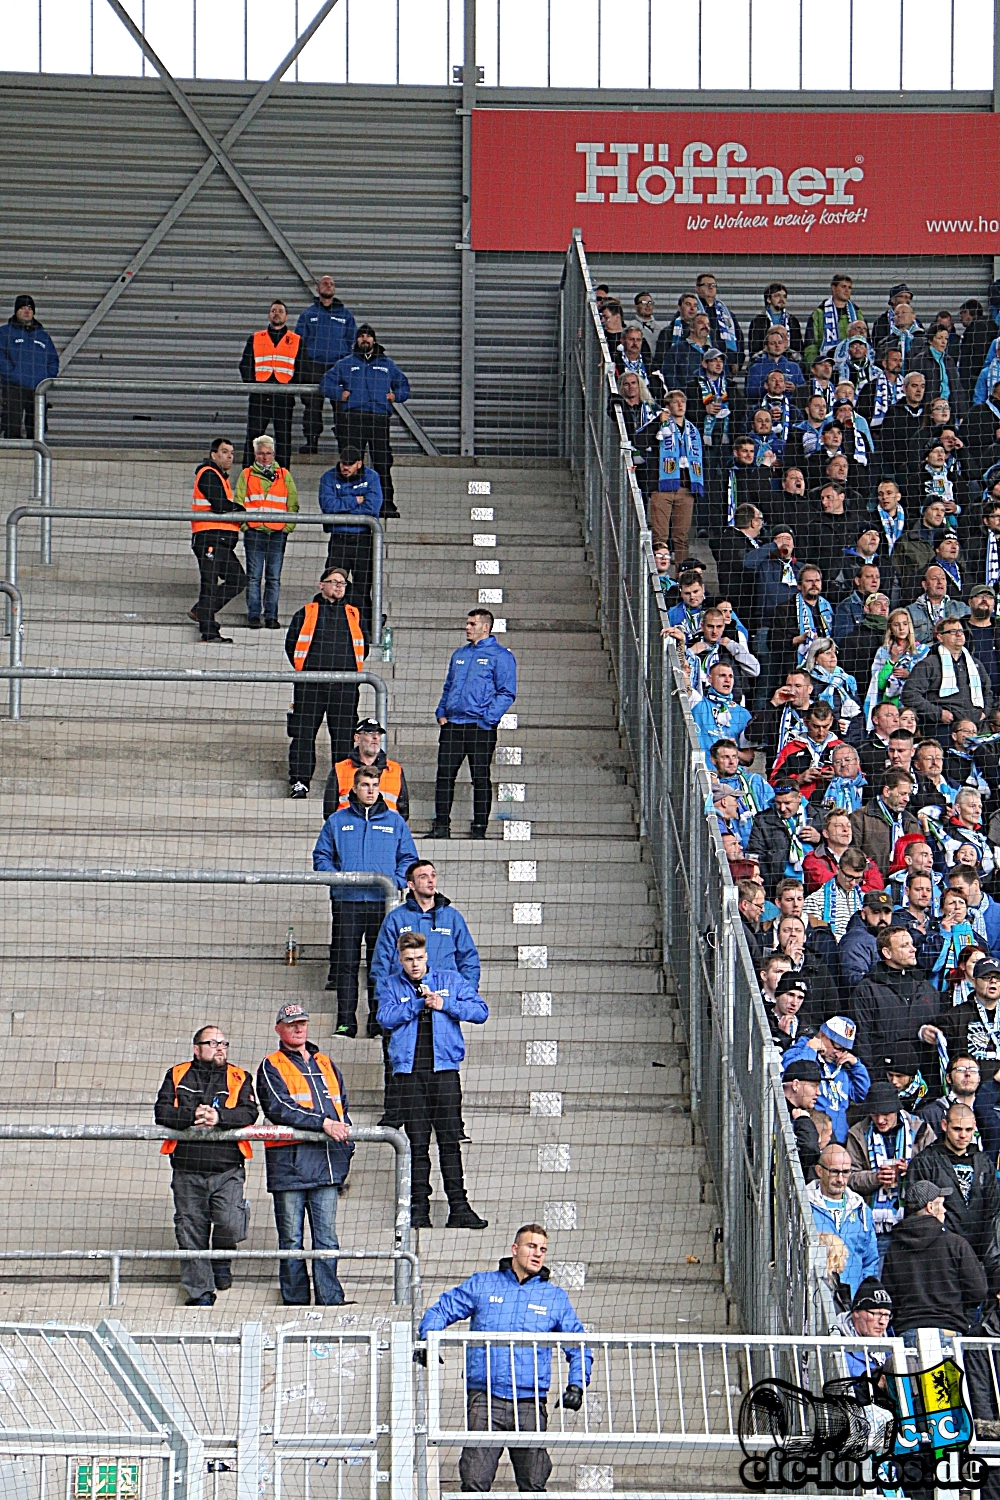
pixel 309 629
pixel 390 783
pixel 235 1079
pixel 275 359
pixel 201 507
pixel 299 1090
pixel 276 498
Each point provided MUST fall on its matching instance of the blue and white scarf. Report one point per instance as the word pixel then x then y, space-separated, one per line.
pixel 811 437
pixel 960 936
pixel 781 410
pixel 796 848
pixel 833 895
pixel 714 388
pixel 992 559
pixel 831 324
pixel 677 443
pixel 845 793
pixel 807 622
pixel 949 679
pixel 887 394
pixel 846 367
pixel 763 445
pixel 894 821
pixel 727 323
pixel 826 391
pixel 860 446
pixel 632 366
pixel 720 705
pixel 887 1209
pixel 790 726
pixel 899 333
pixel 777 319
pixel 951 568
pixel 882 658
pixel 839 687
pixel 678 330
pixel 747 800
pixel 892 526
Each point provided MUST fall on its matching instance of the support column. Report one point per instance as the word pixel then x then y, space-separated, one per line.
pixel 468 391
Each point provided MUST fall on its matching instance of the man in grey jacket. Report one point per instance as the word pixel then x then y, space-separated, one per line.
pixel 948 684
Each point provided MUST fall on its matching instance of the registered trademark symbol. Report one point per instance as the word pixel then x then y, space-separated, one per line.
pixel 859 160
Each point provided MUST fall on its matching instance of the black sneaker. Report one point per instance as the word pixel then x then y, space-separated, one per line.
pixel 299 791
pixel 255 622
pixel 390 510
pixel 420 1218
pixel 272 624
pixel 217 640
pixel 478 830
pixel 372 1029
pixel 208 1300
pixel 466 1218
pixel 223 1280
pixel 331 984
pixel 193 615
pixel 345 1030
pixel 440 831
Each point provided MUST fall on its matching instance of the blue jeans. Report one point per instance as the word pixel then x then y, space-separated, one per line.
pixel 290 1210
pixel 263 549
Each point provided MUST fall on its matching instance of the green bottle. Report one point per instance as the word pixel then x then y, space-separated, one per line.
pixel 387 643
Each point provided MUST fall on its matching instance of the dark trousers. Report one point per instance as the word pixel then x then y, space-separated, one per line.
pixel 433 1101
pixel 18 410
pixel 222 575
pixel 312 373
pixel 353 550
pixel 338 703
pixel 455 743
pixel 352 921
pixel 477 1467
pixel 361 429
pixel 209 1214
pixel 268 406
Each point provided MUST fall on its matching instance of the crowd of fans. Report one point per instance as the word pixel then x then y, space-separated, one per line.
pixel 840 650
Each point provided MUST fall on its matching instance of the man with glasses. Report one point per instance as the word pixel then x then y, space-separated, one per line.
pixel 948 684
pixel 645 316
pixel 210 1209
pixel 840 898
pixel 837 1210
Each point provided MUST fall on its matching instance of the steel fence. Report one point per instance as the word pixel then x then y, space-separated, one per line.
pixel 772 1256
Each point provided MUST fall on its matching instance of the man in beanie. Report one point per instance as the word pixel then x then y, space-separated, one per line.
pixel 27 357
pixel 931 1273
pixel 800 1082
pixel 881 1147
pixel 868 1317
pixel 363 387
pixel 790 994
pixel 844 1080
pixel 351 489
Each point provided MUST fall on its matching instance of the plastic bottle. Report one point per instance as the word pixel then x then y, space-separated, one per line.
pixel 387 643
pixel 291 948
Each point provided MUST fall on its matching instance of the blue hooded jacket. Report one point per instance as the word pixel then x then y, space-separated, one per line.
pixel 301 1165
pixel 496 1302
pixel 339 496
pixel 842 1086
pixel 400 1009
pixel 365 838
pixel 480 686
pixel 27 355
pixel 368 382
pixel 854 1225
pixel 327 333
pixel 449 941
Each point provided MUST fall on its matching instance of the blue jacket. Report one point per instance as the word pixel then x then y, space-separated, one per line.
pixel 302 1165
pixel 480 686
pixel 327 333
pixel 855 1226
pixel 761 366
pixel 844 1085
pixel 856 953
pixel 709 731
pixel 339 496
pixel 991 921
pixel 769 591
pixel 365 838
pixel 399 1013
pixel 449 941
pixel 367 380
pixel 27 355
pixel 496 1302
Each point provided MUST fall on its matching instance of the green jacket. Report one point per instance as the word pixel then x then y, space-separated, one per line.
pixel 817 333
pixel 240 493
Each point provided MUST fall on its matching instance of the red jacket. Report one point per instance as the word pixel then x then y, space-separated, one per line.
pixel 819 866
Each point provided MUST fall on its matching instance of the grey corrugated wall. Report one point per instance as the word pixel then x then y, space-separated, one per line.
pixel 366 184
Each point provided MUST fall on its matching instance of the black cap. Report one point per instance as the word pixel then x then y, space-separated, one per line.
pixel 871 1296
pixel 882 1099
pixel 791 981
pixel 349 455
pixel 878 901
pixel 902 1060
pixel 985 968
pixel 24 301
pixel 368 726
pixel 803 1070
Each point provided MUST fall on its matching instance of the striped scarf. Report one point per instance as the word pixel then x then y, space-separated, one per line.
pixel 807 622
pixel 892 526
pixel 845 793
pixel 992 558
pixel 831 324
pixel 961 936
pixel 826 391
pixel 714 388
pixel 727 323
pixel 791 726
pixel 832 896
pixel 746 798
pixel 887 1209
pixel 796 847
pixel 886 395
pixel 780 408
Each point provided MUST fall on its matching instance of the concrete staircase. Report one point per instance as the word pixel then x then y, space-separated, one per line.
pixel 575 1089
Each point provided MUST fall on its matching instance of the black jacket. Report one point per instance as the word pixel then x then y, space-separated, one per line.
pixel 205 1083
pixel 932 1275
pixel 975 1220
pixel 922 689
pixel 972 352
pixel 736 583
pixel 889 1007
pixel 760 327
pixel 895 436
pixel 823 541
pixel 770 842
pixel 248 364
pixel 331 649
pixel 923 363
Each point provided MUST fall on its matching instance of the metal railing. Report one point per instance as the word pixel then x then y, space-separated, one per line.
pixel 297 518
pixel 773 1261
pixel 406 1263
pixel 129 386
pixel 42 486
pixel 19 673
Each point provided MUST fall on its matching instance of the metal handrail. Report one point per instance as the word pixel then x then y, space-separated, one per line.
pixel 16 608
pixel 43 486
pixel 295 518
pixel 207 388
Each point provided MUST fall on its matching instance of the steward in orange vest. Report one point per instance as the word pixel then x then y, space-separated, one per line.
pixel 271 358
pixel 367 751
pixel 265 486
pixel 215 529
pixel 208 1180
pixel 326 635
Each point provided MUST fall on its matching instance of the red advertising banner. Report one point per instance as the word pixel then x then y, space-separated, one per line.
pixel 737 183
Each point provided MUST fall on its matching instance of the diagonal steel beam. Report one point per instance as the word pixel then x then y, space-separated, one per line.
pixel 218 150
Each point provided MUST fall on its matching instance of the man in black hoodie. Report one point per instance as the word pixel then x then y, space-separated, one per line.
pixel 209 1176
pixel 931 1274
pixel 326 635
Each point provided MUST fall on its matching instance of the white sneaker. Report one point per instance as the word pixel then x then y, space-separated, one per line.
pixel 299 790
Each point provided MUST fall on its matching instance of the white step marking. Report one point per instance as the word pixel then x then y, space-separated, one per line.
pixel 560 1214
pixel 545 1103
pixel 479 487
pixel 536 1003
pixel 491 596
pixel 481 513
pixel 522 870
pixel 527 913
pixel 484 539
pixel 553 1158
pixel 517 832
pixel 487 567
